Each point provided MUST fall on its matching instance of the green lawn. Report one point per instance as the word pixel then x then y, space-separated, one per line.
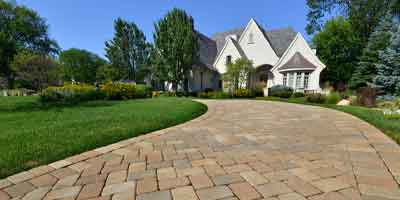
pixel 390 127
pixel 33 135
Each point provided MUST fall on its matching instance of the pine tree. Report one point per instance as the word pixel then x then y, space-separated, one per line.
pixel 128 51
pixel 388 77
pixel 378 41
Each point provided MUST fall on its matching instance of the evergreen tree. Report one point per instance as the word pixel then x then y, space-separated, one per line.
pixel 128 51
pixel 388 77
pixel 175 47
pixel 378 41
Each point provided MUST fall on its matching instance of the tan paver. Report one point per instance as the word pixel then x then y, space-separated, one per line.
pixel 239 149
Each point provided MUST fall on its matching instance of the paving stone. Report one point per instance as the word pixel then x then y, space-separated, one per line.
pixel 302 187
pixel 20 177
pixel 4 183
pixel 254 178
pixel 91 191
pixel 146 185
pixel 214 193
pixel 37 194
pixel 327 172
pixel 161 195
pixel 66 182
pixel 237 168
pixel 91 179
pixel 273 189
pixel 227 179
pixel 214 170
pixel 291 196
pixel 19 189
pixel 370 190
pixel 244 191
pixel 173 183
pixel 4 196
pixel 201 181
pixel 166 173
pixel 330 184
pixel 118 188
pixel 129 195
pixel 141 175
pixel 63 193
pixel 190 171
pixel 198 163
pixel 44 180
pixel 184 193
pixel 116 177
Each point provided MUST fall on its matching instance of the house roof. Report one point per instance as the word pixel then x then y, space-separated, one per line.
pixel 220 37
pixel 207 51
pixel 297 61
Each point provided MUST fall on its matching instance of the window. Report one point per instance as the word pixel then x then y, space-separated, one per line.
pixel 285 79
pixel 228 60
pixel 291 80
pixel 306 79
pixel 251 38
pixel 298 80
pixel 201 80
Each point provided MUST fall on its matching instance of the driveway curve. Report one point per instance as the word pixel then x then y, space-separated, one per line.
pixel 239 149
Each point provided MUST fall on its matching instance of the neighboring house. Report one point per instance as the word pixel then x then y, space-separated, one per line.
pixel 280 57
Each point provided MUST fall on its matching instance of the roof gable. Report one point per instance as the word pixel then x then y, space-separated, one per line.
pixel 297 62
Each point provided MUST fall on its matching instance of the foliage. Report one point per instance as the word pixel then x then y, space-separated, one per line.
pixel 70 94
pixel 128 51
pixel 125 91
pixel 237 74
pixel 80 65
pixel 34 71
pixel 379 40
pixel 316 98
pixel 205 95
pixel 363 15
pixel 366 96
pixel 281 91
pixel 156 94
pixel 258 90
pixel 388 77
pixel 107 73
pixel 298 95
pixel 176 48
pixel 333 98
pixel 338 48
pixel 21 28
pixel 17 92
pixel 243 93
pixel 51 133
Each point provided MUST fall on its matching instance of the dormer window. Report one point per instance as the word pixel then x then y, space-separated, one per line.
pixel 251 38
pixel 228 60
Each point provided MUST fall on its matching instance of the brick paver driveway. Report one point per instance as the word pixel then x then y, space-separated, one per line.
pixel 237 150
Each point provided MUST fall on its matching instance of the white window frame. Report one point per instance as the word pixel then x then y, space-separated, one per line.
pixel 285 79
pixel 306 80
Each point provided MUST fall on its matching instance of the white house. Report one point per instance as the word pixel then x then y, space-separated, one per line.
pixel 280 57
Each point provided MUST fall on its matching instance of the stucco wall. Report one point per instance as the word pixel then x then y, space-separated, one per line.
pixel 259 50
pixel 230 49
pixel 210 79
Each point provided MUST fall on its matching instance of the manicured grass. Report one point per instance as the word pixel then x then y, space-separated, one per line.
pixel 390 127
pixel 33 135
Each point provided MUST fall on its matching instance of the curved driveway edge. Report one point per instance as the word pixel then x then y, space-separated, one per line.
pixel 239 149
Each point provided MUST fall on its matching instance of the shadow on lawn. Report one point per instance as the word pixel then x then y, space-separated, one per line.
pixel 38 106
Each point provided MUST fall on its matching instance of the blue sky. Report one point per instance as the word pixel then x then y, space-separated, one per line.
pixel 87 24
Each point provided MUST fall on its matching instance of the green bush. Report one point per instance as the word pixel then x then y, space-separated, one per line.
pixel 242 93
pixel 221 95
pixel 316 98
pixel 333 98
pixel 124 91
pixel 205 95
pixel 281 91
pixel 70 94
pixel 298 95
pixel 258 90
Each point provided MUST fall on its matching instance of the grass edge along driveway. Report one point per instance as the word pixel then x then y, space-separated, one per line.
pixel 32 135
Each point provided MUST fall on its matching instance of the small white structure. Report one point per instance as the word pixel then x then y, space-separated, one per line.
pixel 280 57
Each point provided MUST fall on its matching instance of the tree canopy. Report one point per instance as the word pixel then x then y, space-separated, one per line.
pixel 176 46
pixel 80 65
pixel 21 28
pixel 128 51
pixel 237 74
pixel 337 47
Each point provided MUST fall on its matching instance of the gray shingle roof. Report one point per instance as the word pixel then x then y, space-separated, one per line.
pixel 220 38
pixel 297 62
pixel 207 50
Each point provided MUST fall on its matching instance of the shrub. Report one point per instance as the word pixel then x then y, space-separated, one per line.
pixel 156 94
pixel 281 91
pixel 366 96
pixel 205 95
pixel 258 90
pixel 333 98
pixel 124 91
pixel 70 94
pixel 221 95
pixel 208 90
pixel 298 95
pixel 316 98
pixel 242 93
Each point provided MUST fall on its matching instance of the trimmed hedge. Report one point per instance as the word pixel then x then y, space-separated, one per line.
pixel 316 98
pixel 281 91
pixel 81 92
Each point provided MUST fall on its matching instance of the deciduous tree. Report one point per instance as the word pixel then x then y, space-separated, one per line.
pixel 237 74
pixel 176 47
